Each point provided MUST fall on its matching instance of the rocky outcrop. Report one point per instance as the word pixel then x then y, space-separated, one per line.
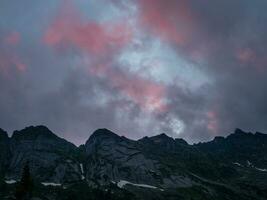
pixel 51 159
pixel 112 158
pixel 226 167
pixel 239 147
pixel 4 151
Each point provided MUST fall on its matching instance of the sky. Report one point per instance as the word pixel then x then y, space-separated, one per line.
pixel 191 69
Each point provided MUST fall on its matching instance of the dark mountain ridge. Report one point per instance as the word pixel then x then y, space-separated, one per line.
pixel 157 167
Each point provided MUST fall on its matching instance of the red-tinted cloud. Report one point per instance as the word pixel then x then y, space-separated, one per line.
pixel 103 41
pixel 70 29
pixel 10 58
pixel 149 95
pixel 13 38
pixel 212 122
pixel 9 62
pixel 176 22
pixel 245 55
pixel 251 58
pixel 171 20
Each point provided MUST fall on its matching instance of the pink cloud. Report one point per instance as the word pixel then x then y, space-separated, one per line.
pixel 245 55
pixel 147 94
pixel 170 20
pixel 176 22
pixel 212 123
pixel 104 41
pixel 251 58
pixel 9 62
pixel 13 38
pixel 10 58
pixel 70 29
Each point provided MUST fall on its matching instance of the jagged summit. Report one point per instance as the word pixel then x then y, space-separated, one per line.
pixel 103 132
pixel 181 141
pixel 159 163
pixel 3 134
pixel 238 133
pixel 163 136
pixel 32 132
pixel 161 139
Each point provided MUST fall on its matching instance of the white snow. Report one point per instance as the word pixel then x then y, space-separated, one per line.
pixel 81 167
pixel 10 181
pixel 122 183
pixel 236 163
pixel 262 170
pixel 249 164
pixel 51 184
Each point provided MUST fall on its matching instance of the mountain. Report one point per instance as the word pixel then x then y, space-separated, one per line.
pixel 4 151
pixel 239 147
pixel 52 159
pixel 109 166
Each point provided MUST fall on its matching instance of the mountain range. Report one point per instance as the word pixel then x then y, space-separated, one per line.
pixel 158 167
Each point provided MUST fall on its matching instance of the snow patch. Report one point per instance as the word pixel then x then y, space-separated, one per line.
pixel 81 166
pixel 262 170
pixel 10 181
pixel 249 164
pixel 51 184
pixel 122 183
pixel 82 170
pixel 236 163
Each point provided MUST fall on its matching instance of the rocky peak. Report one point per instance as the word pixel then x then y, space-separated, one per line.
pixel 103 137
pixel 103 133
pixel 240 135
pixel 4 151
pixel 43 150
pixel 161 136
pixel 3 134
pixel 157 139
pixel 218 139
pixel 180 141
pixel 34 132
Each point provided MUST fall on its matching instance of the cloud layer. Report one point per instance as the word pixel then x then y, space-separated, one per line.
pixel 190 69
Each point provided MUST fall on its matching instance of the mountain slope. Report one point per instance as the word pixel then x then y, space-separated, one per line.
pixel 4 152
pixel 157 167
pixel 51 158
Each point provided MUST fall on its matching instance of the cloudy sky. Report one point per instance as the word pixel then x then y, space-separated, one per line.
pixel 192 69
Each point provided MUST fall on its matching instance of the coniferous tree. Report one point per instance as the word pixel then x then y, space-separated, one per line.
pixel 2 185
pixel 25 186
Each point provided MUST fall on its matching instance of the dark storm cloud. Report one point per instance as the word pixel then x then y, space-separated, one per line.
pixel 59 67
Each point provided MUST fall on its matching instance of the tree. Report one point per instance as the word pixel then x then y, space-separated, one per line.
pixel 25 186
pixel 2 185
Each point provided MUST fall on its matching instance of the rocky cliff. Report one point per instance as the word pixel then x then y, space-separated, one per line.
pixel 157 167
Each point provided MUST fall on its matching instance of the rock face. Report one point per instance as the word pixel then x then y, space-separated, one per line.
pixel 158 161
pixel 234 167
pixel 114 158
pixel 4 151
pixel 239 147
pixel 165 163
pixel 51 159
